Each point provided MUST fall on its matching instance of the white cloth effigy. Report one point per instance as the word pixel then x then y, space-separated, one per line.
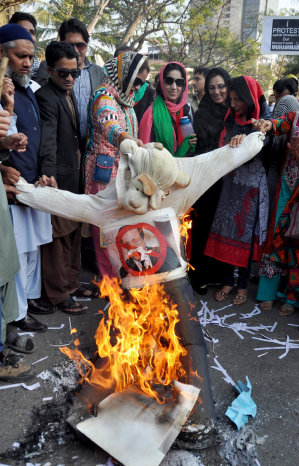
pixel 158 229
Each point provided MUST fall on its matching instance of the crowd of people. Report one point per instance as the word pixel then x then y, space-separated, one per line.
pixel 61 124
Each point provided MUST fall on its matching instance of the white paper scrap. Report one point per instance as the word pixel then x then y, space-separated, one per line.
pixel 56 328
pixel 75 298
pixel 43 375
pixel 30 387
pixel 62 344
pixel 39 360
pixel 5 387
pixel 255 312
pixel 287 345
pixel 31 334
pixel 16 444
pixel 226 377
pixel 48 398
pixel 27 387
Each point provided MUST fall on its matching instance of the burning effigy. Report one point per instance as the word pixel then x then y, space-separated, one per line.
pixel 152 367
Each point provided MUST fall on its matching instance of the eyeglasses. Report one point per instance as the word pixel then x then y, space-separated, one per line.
pixel 64 73
pixel 220 87
pixel 180 82
pixel 79 45
pixel 138 82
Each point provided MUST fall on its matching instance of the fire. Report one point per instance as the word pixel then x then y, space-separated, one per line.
pixel 137 344
pixel 185 232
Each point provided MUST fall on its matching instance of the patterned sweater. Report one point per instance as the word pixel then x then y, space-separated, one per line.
pixel 108 122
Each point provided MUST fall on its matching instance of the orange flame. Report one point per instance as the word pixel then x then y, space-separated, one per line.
pixel 137 344
pixel 185 232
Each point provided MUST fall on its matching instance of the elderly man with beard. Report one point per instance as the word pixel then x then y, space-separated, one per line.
pixel 32 228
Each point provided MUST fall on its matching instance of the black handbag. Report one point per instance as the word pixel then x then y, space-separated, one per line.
pixel 103 168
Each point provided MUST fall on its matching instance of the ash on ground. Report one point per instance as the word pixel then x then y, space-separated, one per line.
pixel 64 378
pixel 48 428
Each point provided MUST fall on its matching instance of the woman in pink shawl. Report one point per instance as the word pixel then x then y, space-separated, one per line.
pixel 161 121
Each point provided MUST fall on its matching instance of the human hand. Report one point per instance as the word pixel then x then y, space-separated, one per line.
pixel 45 180
pixel 262 125
pixel 138 141
pixel 17 141
pixel 8 91
pixel 236 140
pixel 10 175
pixel 4 123
pixel 294 147
pixel 11 192
pixel 193 140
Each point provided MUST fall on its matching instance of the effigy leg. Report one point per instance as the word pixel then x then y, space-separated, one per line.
pixel 199 432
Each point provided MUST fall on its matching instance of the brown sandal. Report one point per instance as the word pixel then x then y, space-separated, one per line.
pixel 220 296
pixel 286 310
pixel 69 306
pixel 239 299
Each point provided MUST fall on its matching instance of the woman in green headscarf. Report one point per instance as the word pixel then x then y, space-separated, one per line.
pixel 161 121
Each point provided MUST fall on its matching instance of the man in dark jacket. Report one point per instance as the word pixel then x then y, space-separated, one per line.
pixel 31 228
pixel 59 157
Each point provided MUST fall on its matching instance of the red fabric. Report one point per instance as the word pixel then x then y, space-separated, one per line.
pixel 256 93
pixel 231 251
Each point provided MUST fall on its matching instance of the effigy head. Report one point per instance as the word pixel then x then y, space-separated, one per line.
pixel 156 170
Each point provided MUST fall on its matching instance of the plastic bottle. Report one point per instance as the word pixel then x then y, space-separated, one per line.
pixel 186 127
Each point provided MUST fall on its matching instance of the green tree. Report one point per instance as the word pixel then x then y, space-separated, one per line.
pixel 201 38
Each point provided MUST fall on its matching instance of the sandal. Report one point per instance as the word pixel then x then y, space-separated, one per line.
pixel 20 343
pixel 69 306
pixel 286 310
pixel 84 292
pixel 221 295
pixel 266 305
pixel 239 299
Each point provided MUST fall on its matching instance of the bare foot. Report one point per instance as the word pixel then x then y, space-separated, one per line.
pixel 222 294
pixel 240 298
pixel 266 305
pixel 286 309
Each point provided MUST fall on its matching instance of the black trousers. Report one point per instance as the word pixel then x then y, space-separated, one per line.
pixel 181 293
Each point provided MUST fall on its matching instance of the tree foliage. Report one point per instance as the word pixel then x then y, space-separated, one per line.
pixel 189 31
pixel 5 4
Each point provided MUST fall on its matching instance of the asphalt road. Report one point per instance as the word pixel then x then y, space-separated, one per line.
pixel 33 428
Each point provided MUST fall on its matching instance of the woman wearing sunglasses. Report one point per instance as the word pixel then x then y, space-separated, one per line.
pixel 111 118
pixel 161 121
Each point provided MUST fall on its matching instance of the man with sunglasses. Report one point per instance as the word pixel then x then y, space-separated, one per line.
pixel 75 32
pixel 60 157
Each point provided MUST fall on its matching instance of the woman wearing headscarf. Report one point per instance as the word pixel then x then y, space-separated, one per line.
pixel 286 104
pixel 279 270
pixel 208 124
pixel 111 118
pixel 161 121
pixel 240 223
